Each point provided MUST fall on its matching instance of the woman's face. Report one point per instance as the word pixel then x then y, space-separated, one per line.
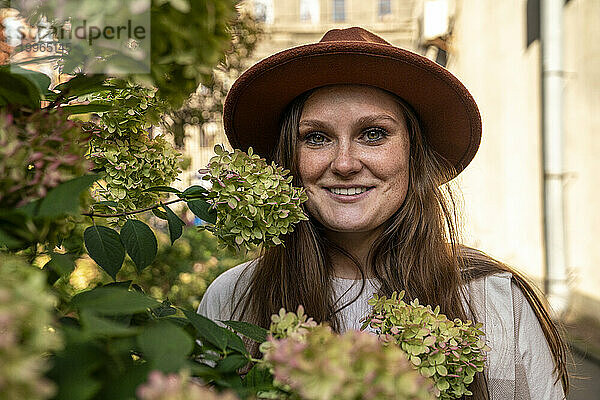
pixel 353 152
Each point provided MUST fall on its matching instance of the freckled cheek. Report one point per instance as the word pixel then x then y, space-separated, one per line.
pixel 395 174
pixel 310 168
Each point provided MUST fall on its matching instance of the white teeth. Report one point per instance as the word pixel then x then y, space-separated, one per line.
pixel 349 191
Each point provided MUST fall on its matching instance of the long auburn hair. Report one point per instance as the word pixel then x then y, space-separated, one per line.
pixel 418 252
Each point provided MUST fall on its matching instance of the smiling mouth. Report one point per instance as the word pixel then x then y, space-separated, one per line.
pixel 350 191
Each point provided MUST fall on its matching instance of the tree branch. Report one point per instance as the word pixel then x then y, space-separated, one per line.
pixel 92 215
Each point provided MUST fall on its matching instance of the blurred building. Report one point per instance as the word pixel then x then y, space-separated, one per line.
pixel 494 48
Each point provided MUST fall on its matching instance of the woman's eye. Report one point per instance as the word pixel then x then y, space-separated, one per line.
pixel 315 138
pixel 374 134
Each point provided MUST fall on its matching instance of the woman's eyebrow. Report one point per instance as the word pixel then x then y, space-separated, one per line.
pixel 372 119
pixel 313 123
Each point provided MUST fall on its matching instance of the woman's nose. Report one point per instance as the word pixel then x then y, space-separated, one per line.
pixel 346 161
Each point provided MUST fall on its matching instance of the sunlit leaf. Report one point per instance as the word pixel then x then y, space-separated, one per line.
pixel 104 246
pixel 175 225
pixel 140 243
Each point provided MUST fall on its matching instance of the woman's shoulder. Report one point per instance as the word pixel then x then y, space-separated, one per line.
pixel 223 293
pixel 227 280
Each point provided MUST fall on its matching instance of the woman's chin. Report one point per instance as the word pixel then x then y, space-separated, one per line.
pixel 350 226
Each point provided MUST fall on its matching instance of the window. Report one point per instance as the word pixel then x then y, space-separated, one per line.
pixel 309 11
pixel 263 11
pixel 339 11
pixel 385 8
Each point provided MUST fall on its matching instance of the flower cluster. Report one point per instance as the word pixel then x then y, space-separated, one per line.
pixel 355 365
pixel 255 202
pixel 26 307
pixel 291 325
pixel 288 325
pixel 121 146
pixel 133 165
pixel 177 387
pixel 449 352
pixel 38 152
pixel 134 109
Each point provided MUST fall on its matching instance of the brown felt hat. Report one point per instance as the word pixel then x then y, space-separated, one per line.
pixel 447 112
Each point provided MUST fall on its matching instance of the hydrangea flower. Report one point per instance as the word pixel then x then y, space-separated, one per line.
pixel 26 307
pixel 321 365
pixel 288 325
pixel 38 152
pixel 449 352
pixel 177 387
pixel 132 159
pixel 255 202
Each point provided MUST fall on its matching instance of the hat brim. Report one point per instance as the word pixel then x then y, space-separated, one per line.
pixel 447 112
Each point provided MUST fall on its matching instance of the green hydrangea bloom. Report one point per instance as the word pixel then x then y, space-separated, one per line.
pixel 122 147
pixel 255 202
pixel 449 352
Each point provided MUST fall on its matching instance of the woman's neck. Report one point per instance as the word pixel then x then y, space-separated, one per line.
pixel 356 243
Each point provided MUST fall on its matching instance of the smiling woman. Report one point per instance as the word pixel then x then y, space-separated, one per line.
pixel 373 134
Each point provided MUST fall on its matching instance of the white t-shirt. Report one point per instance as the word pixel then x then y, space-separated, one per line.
pixel 519 364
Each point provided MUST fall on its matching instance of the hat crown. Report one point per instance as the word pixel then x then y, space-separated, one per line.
pixel 354 34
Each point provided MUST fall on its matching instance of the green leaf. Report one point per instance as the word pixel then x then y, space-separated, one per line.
pixel 256 333
pixel 208 329
pixel 113 301
pixel 64 199
pixel 87 108
pixel 160 214
pixel 18 90
pixel 140 243
pixel 31 209
pixel 104 246
pixel 62 264
pixel 100 326
pixel 202 210
pixel 232 363
pixel 234 342
pixel 162 189
pixel 165 346
pixel 40 80
pixel 175 224
pixel 82 84
pixel 129 378
pixel 442 384
pixel 120 284
pixel 194 191
pixel 441 370
pixel 77 386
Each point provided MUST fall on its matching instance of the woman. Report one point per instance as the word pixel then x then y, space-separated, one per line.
pixel 373 132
